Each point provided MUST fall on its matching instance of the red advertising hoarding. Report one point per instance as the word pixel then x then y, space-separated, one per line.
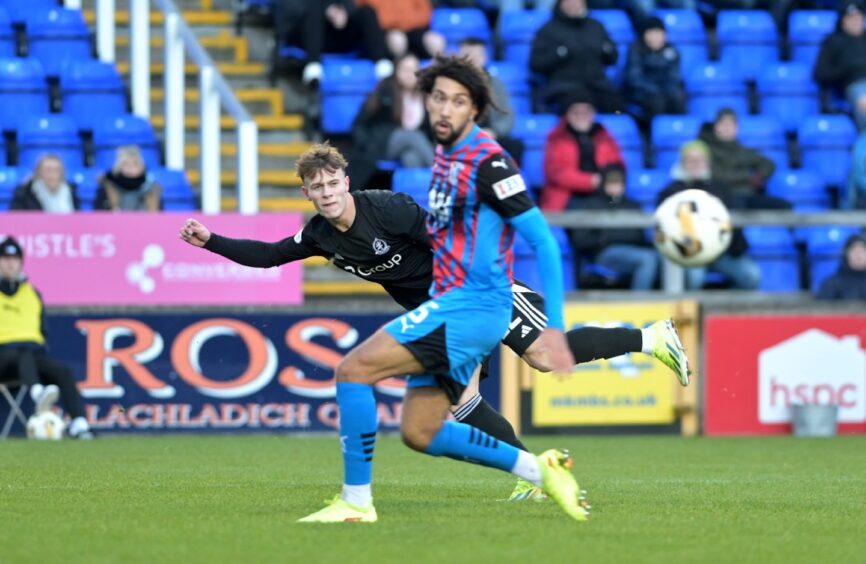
pixel 756 367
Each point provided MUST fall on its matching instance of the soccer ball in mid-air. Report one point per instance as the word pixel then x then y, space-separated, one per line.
pixel 692 228
pixel 46 426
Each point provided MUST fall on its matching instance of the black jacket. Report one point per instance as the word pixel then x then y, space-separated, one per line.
pixel 24 198
pixel 590 242
pixel 847 283
pixel 842 58
pixel 650 73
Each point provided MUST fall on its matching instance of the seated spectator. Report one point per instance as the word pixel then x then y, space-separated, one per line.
pixel 23 352
pixel 743 171
pixel 849 282
pixel 330 26
pixel 128 186
pixel 841 63
pixel 47 190
pixel 625 251
pixel 653 78
pixel 855 198
pixel 407 27
pixel 392 124
pixel 693 171
pixel 499 118
pixel 571 52
pixel 577 150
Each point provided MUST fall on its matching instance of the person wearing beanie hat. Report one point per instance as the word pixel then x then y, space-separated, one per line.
pixel 841 63
pixel 653 75
pixel 849 282
pixel 23 351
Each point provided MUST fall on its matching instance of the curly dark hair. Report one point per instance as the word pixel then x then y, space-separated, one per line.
pixel 462 70
pixel 317 158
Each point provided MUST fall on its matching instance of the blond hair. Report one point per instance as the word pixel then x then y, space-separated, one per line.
pixel 125 152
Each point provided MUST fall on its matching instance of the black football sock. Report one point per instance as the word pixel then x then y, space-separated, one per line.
pixel 592 343
pixel 481 415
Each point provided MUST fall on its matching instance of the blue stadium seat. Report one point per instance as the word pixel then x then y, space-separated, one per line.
pixel 788 93
pixel 177 193
pixel 415 182
pixel 344 86
pixel 686 31
pixel 58 37
pixel 712 86
pixel 457 24
pixel 774 249
pixel 824 248
pixel 618 26
pixel 517 29
pixel 806 30
pixel 23 91
pixel 10 178
pixel 748 40
pixel 90 90
pixel 765 134
pixel 20 11
pixel 112 132
pixel 533 130
pixel 644 186
pixel 825 146
pixel 668 135
pixel 526 265
pixel 86 181
pixel 803 188
pixel 515 78
pixel 51 133
pixel 7 35
pixel 624 130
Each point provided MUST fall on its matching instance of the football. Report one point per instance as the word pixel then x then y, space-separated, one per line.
pixel 692 228
pixel 47 426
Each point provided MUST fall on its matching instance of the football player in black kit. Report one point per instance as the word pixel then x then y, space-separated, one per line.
pixel 381 236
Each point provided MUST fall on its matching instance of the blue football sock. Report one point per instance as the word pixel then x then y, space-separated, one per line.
pixel 462 442
pixel 358 426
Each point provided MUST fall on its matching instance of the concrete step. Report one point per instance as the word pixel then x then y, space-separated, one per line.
pixel 275 204
pixel 248 70
pixel 223 47
pixel 228 177
pixel 256 100
pixel 289 121
pixel 285 150
pixel 191 17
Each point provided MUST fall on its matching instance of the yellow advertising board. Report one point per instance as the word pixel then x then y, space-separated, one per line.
pixel 632 389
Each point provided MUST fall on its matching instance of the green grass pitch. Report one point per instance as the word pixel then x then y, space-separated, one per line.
pixel 235 499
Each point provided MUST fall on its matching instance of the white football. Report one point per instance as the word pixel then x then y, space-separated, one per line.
pixel 692 228
pixel 47 426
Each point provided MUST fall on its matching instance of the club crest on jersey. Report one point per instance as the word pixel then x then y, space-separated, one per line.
pixel 508 187
pixel 380 247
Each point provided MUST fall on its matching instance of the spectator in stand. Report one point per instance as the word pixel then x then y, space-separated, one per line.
pixel 407 27
pixel 741 170
pixel 625 251
pixel 849 282
pixel 128 186
pixel 855 198
pixel 23 351
pixel 653 78
pixel 693 171
pixel 392 125
pixel 577 150
pixel 331 26
pixel 571 52
pixel 499 119
pixel 47 190
pixel 841 63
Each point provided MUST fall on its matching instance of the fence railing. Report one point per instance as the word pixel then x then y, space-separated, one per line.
pixel 214 94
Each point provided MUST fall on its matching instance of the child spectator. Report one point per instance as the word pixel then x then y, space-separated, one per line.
pixel 653 78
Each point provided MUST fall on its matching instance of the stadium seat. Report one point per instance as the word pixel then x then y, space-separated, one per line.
pixel 644 186
pixel 7 35
pixel 415 182
pixel 23 91
pixel 765 134
pixel 686 31
pixel 345 85
pixel 57 37
pixel 517 29
pixel 51 133
pixel 90 90
pixel 825 146
pixel 668 135
pixel 20 11
pixel 713 86
pixel 516 81
pixel 456 24
pixel 788 93
pixel 177 193
pixel 10 178
pixel 86 181
pixel 533 130
pixel 526 265
pixel 618 26
pixel 748 41
pixel 625 131
pixel 111 133
pixel 824 248
pixel 806 30
pixel 774 249
pixel 803 188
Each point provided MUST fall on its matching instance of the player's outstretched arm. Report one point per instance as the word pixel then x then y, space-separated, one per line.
pixel 195 233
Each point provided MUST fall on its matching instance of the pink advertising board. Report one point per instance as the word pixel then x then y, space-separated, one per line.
pixel 138 259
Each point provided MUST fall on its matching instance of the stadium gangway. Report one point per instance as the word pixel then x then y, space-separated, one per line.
pixel 673 274
pixel 213 93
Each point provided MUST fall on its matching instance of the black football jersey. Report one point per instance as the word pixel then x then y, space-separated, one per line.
pixel 387 244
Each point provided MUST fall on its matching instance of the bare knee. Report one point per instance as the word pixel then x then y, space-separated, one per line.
pixel 418 435
pixel 350 369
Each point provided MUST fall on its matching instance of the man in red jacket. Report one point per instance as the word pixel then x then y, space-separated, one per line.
pixel 577 150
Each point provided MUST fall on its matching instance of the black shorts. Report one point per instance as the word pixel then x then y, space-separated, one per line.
pixel 528 320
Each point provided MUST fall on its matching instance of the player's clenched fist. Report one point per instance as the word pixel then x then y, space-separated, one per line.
pixel 194 233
